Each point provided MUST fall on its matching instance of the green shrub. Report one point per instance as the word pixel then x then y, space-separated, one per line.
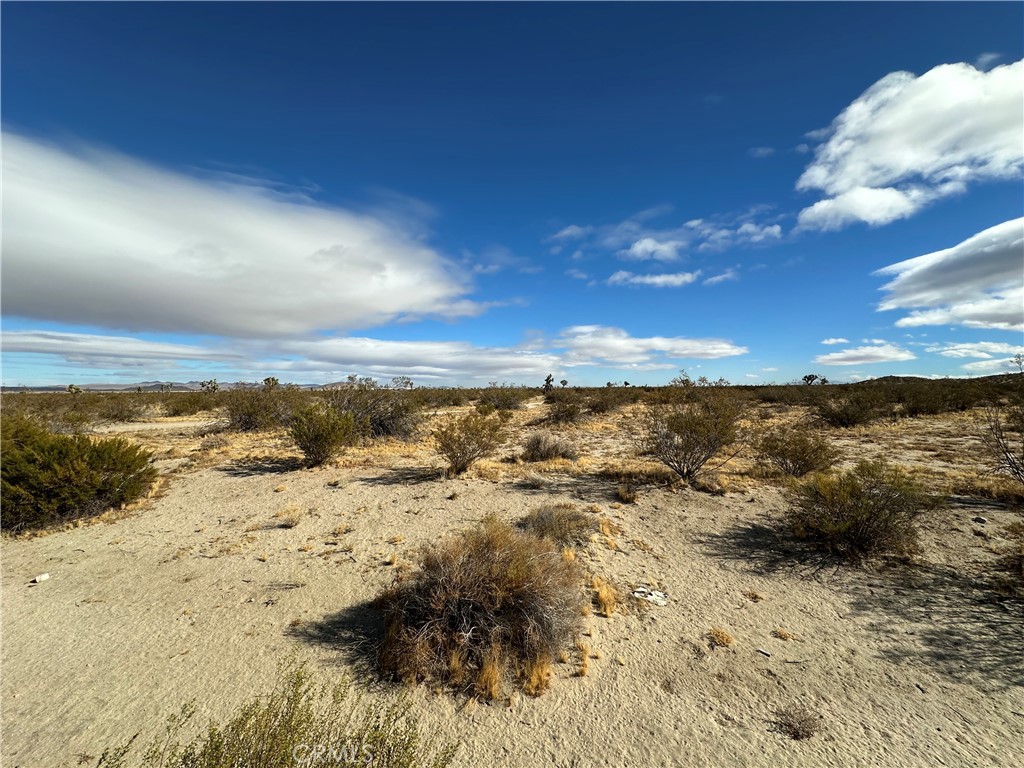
pixel 685 436
pixel 300 722
pixel 382 412
pixel 467 439
pixel 870 510
pixel 850 411
pixel 252 409
pixel 566 407
pixel 563 523
pixel 505 398
pixel 188 403
pixel 484 606
pixel 543 446
pixel 320 433
pixel 796 451
pixel 120 407
pixel 49 479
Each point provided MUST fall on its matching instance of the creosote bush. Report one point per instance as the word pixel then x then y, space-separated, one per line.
pixel 300 722
pixel 685 436
pixel 543 446
pixel 1004 438
pixel 378 411
pixel 872 509
pixel 563 523
pixel 486 606
pixel 463 440
pixel 321 433
pixel 253 409
pixel 851 411
pixel 796 451
pixel 50 479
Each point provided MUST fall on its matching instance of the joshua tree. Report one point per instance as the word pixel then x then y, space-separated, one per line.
pixel 549 384
pixel 564 383
pixel 810 378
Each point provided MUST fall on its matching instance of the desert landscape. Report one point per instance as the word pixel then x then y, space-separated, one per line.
pixel 727 639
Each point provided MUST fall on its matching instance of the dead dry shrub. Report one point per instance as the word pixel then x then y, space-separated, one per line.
pixel 563 523
pixel 486 606
pixel 797 721
pixel 685 436
pixel 872 509
pixel 464 440
pixel 1004 439
pixel 544 446
pixel 796 451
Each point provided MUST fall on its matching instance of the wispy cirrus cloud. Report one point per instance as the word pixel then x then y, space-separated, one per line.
pixel 669 280
pixel 837 340
pixel 587 344
pixel 978 283
pixel 909 140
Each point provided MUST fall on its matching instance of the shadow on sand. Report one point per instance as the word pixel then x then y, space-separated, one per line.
pixel 263 466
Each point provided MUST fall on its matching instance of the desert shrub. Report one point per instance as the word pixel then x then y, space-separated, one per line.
pixel 463 440
pixel 299 722
pixel 187 403
pixel 797 721
pixel 543 446
pixel 321 433
pixel 381 412
pixel 563 523
pixel 121 407
pixel 796 451
pixel 484 606
pixel 505 398
pixel 870 510
pixel 685 436
pixel 1004 439
pixel 566 407
pixel 252 409
pixel 850 411
pixel 49 479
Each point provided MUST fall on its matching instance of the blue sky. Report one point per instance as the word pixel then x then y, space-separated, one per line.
pixel 467 193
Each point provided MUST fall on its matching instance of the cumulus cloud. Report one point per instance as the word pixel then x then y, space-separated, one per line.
pixel 572 232
pixel 978 349
pixel 577 274
pixel 978 283
pixel 909 140
pixel 835 341
pixel 649 248
pixel 716 236
pixel 96 238
pixel 879 353
pixel 586 344
pixel 670 280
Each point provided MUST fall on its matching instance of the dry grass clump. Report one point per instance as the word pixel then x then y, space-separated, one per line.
pixel 720 638
pixel 485 606
pixel 797 721
pixel 543 446
pixel 563 523
pixel 464 440
pixel 626 493
pixel 289 517
pixel 300 721
pixel 796 452
pixel 783 634
pixel 870 510
pixel 606 596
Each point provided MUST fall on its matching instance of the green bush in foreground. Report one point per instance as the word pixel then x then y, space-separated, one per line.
pixel 796 451
pixel 48 479
pixel 299 723
pixel 871 510
pixel 466 439
pixel 320 433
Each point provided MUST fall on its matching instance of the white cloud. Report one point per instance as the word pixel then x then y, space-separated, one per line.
pixel 769 369
pixel 909 140
pixel 729 274
pixel 718 237
pixel 751 375
pixel 978 283
pixel 835 341
pixel 978 349
pixel 986 60
pixel 760 152
pixel 572 232
pixel 587 344
pixel 881 353
pixel 87 348
pixel 577 274
pixel 96 238
pixel 671 280
pixel 1003 365
pixel 649 248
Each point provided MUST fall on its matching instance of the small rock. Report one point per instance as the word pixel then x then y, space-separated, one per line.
pixel 979 519
pixel 40 578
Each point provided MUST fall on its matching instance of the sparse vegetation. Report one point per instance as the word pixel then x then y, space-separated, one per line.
pixel 795 451
pixel 377 411
pixel 870 510
pixel 719 637
pixel 1004 438
pixel 563 523
pixel 850 411
pixel 298 718
pixel 484 606
pixel 50 479
pixel 797 721
pixel 543 446
pixel 464 440
pixel 686 436
pixel 321 433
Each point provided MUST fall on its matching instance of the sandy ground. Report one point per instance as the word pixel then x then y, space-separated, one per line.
pixel 200 594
